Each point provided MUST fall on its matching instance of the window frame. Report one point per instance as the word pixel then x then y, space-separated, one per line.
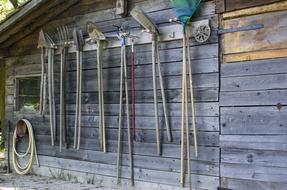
pixel 17 88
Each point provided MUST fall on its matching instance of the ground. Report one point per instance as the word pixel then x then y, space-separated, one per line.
pixel 16 182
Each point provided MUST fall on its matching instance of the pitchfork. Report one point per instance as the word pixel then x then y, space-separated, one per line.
pixel 63 43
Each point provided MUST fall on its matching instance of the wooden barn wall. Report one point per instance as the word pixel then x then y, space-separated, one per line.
pixel 253 98
pixel 89 164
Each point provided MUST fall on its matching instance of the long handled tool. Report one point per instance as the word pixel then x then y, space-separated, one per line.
pixel 79 43
pixel 184 10
pixel 185 115
pixel 140 17
pixel 133 92
pixel 98 37
pixel 64 43
pixel 45 41
pixel 42 44
pixel 123 35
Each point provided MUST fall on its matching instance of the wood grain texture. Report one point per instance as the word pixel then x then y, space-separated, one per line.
pixel 200 181
pixel 254 142
pixel 253 172
pixel 89 164
pixel 254 157
pixel 253 120
pixel 257 55
pixel 277 5
pixel 258 67
pixel 257 82
pixel 240 184
pixel 270 37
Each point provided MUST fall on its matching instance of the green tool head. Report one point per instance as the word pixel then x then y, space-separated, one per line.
pixel 185 9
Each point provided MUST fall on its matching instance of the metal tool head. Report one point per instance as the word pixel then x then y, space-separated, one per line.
pixel 42 42
pixel 78 39
pixel 50 42
pixel 141 18
pixel 124 30
pixel 94 33
pixel 63 36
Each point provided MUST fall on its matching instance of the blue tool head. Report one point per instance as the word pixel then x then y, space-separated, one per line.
pixel 185 9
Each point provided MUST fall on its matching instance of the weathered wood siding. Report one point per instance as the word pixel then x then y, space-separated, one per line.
pixel 240 106
pixel 253 138
pixel 89 164
pixel 253 126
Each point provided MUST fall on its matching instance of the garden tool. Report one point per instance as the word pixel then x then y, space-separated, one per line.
pixel 140 17
pixel 63 37
pixel 79 43
pixel 184 11
pixel 42 44
pixel 133 92
pixel 45 41
pixel 123 35
pixel 98 37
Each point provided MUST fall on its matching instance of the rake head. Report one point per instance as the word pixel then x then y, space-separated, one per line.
pixel 63 36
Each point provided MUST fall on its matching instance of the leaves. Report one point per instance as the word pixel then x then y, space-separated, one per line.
pixel 6 8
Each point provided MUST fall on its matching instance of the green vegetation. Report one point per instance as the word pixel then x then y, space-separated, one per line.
pixel 6 7
pixel 2 103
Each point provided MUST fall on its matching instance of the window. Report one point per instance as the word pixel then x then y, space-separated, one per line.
pixel 28 93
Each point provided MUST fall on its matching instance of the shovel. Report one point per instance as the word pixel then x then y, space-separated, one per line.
pixel 79 43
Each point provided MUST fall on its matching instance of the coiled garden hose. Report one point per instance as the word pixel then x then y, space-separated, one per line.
pixel 22 170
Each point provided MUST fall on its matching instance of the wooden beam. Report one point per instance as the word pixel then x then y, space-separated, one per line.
pixel 279 6
pixel 232 5
pixel 219 6
pixel 27 9
pixel 25 21
pixel 268 54
pixel 121 7
pixel 37 24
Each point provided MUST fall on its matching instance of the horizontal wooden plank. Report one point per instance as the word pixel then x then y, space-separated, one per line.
pixel 206 153
pixel 254 98
pixel 109 170
pixel 261 82
pixel 90 140
pixel 112 83
pixel 254 157
pixel 201 182
pixel 240 184
pixel 159 12
pixel 145 123
pixel 278 6
pixel 259 67
pixel 172 96
pixel 253 120
pixel 171 53
pixel 140 161
pixel 257 142
pixel 252 172
pixel 257 55
pixel 174 109
pixel 271 36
